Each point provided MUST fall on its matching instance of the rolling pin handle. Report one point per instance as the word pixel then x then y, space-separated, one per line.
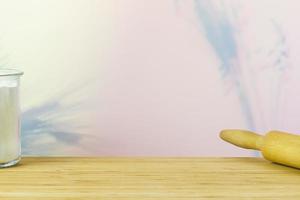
pixel 242 138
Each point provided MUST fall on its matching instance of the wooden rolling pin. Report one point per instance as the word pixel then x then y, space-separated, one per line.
pixel 276 146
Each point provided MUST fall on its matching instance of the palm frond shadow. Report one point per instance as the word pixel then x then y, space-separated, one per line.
pixel 35 126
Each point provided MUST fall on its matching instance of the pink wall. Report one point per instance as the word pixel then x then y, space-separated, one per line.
pixel 162 92
pixel 151 77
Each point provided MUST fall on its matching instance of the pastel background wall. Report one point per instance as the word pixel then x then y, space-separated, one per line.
pixel 158 77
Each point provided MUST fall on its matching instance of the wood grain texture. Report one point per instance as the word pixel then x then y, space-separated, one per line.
pixel 148 178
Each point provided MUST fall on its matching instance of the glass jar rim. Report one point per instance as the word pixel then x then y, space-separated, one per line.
pixel 10 72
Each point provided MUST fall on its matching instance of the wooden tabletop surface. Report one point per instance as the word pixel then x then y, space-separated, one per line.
pixel 79 178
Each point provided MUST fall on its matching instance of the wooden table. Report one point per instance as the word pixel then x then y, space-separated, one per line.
pixel 148 178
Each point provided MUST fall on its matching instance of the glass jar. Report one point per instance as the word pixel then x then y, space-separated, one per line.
pixel 10 141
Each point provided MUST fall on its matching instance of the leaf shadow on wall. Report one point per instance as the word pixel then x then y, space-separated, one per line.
pixel 42 134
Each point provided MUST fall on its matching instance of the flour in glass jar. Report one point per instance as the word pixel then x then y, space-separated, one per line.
pixel 9 121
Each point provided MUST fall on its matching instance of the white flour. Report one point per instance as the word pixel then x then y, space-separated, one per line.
pixel 9 121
